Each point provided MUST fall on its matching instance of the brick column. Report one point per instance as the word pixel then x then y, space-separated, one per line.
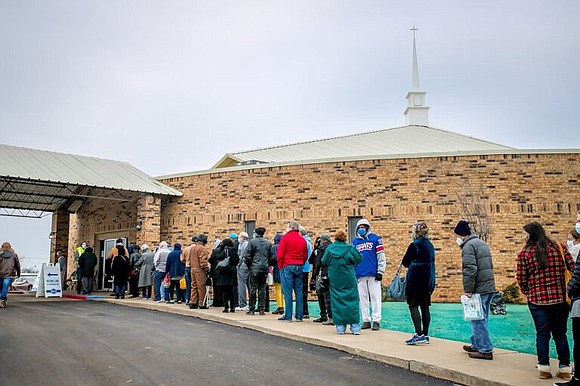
pixel 59 231
pixel 149 216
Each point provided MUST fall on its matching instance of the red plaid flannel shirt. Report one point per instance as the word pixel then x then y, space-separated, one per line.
pixel 543 285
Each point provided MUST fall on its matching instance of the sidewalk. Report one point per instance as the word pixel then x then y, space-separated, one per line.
pixel 442 358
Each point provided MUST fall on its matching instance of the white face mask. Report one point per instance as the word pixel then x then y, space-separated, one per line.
pixel 459 241
pixel 570 244
pixel 84 245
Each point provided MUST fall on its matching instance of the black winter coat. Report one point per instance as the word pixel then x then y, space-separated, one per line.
pixel 225 276
pixel 120 268
pixel 317 263
pixel 258 255
pixel 420 261
pixel 87 263
pixel 574 283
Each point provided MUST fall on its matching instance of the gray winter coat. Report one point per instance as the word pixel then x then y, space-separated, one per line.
pixel 145 264
pixel 258 254
pixel 477 266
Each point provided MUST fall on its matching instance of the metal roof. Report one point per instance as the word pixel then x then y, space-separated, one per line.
pixel 43 181
pixel 398 140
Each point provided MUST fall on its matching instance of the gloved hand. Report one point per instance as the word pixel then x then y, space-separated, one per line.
pixel 379 277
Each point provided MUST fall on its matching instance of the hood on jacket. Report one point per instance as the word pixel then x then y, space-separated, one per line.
pixel 360 222
pixel 6 254
pixel 277 238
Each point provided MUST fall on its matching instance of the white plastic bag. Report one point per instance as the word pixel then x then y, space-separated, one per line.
pixel 472 308
pixel 270 279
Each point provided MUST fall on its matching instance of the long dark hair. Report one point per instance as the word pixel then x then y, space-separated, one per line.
pixel 539 239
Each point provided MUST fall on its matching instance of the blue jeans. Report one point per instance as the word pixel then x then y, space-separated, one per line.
pixel 341 328
pixel 120 289
pixel 157 279
pixel 480 339
pixel 188 284
pixel 291 278
pixel 551 319
pixel 5 283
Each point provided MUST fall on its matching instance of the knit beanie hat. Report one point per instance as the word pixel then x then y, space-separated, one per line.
pixel 462 228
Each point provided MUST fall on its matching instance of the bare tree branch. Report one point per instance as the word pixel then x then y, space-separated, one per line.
pixel 474 204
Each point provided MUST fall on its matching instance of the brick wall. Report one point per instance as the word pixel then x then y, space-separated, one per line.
pixel 100 219
pixel 392 194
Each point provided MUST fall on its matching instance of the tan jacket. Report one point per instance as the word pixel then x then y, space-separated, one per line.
pixel 197 256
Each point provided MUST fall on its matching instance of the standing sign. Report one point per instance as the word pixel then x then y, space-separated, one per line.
pixel 49 284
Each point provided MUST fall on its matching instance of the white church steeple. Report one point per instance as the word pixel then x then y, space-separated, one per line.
pixel 416 112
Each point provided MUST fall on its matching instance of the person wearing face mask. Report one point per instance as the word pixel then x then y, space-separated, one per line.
pixel 477 270
pixel 369 274
pixel 574 294
pixel 574 242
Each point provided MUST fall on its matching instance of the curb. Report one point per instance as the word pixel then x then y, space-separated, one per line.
pixel 458 377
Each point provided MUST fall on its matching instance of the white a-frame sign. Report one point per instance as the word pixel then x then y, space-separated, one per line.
pixel 49 284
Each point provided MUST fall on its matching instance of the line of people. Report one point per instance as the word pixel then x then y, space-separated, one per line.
pixel 347 281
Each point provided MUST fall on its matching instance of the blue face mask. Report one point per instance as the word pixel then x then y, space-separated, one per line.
pixel 361 232
pixel 578 227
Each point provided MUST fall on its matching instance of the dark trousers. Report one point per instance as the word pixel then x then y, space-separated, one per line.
pixel 421 320
pixel 228 297
pixel 146 291
pixel 305 293
pixel 79 280
pixel 235 295
pixel 218 299
pixel 324 304
pixel 258 285
pixel 551 320
pixel 576 339
pixel 133 285
pixel 174 287
pixel 267 308
pixel 187 284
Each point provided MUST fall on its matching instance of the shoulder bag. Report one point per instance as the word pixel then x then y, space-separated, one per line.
pixel 397 289
pixel 567 274
pixel 225 263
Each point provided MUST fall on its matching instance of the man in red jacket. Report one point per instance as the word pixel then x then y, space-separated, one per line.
pixel 291 255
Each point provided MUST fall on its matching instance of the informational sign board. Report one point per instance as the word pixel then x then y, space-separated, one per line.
pixel 49 284
pixel 36 282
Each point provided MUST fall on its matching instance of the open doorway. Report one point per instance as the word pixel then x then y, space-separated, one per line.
pixel 104 278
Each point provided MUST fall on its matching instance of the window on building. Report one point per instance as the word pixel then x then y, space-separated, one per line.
pixel 250 227
pixel 352 227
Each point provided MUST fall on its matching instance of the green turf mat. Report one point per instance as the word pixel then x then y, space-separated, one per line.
pixel 514 331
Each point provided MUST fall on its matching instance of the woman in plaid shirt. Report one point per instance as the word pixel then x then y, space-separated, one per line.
pixel 540 275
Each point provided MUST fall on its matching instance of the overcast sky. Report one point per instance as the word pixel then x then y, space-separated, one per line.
pixel 171 86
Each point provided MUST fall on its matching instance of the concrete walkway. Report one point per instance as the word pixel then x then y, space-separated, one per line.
pixel 442 358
